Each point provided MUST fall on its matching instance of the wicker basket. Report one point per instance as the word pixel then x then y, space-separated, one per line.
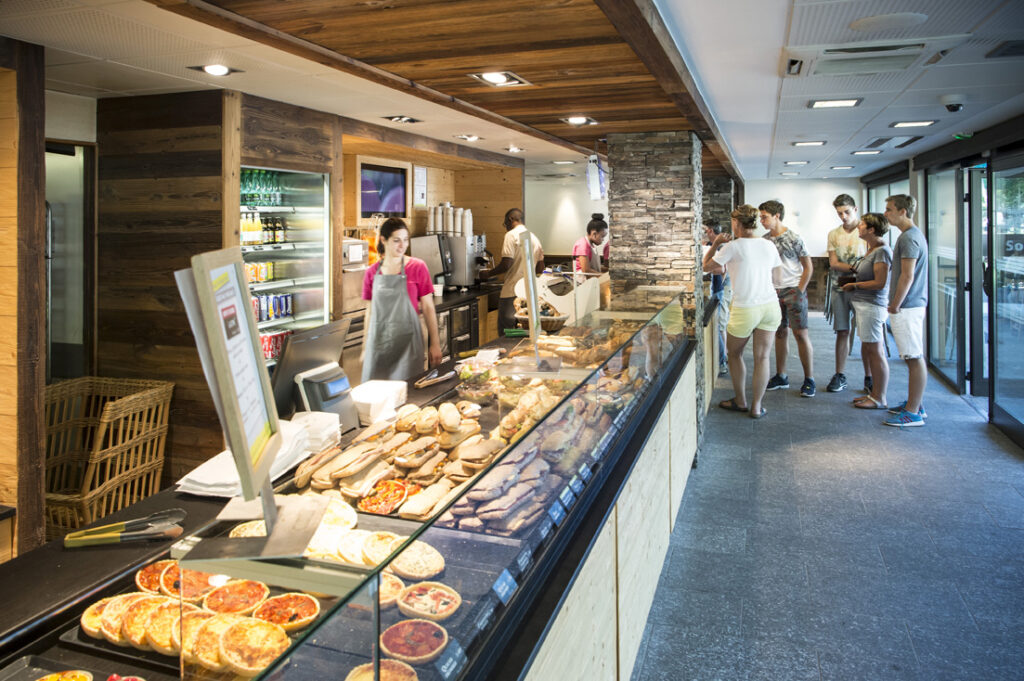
pixel 105 442
pixel 549 323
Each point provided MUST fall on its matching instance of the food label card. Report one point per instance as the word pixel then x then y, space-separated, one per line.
pixel 567 497
pixel 484 617
pixel 546 525
pixel 557 512
pixel 524 559
pixel 452 660
pixel 586 473
pixel 576 485
pixel 504 587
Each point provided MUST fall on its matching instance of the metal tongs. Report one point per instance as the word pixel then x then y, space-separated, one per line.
pixel 433 377
pixel 160 525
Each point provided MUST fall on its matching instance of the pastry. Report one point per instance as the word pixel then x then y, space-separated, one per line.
pixel 430 600
pixel 206 647
pixel 249 646
pixel 415 641
pixel 183 636
pixel 135 619
pixel 449 417
pixel 390 587
pixel 292 611
pixel 162 623
pixel 418 560
pixel 237 597
pixel 190 585
pixel 111 618
pixel 91 620
pixel 390 670
pixel 148 578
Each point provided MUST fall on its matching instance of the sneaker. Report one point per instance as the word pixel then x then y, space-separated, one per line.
pixel 869 384
pixel 903 405
pixel 807 389
pixel 778 382
pixel 837 384
pixel 723 369
pixel 904 419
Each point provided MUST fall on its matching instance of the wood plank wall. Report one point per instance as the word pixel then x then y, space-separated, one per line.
pixel 489 194
pixel 160 187
pixel 23 286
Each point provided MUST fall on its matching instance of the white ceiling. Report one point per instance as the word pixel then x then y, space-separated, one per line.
pixel 736 50
pixel 761 113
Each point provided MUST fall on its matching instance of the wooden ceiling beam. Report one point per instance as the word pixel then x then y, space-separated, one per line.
pixel 641 25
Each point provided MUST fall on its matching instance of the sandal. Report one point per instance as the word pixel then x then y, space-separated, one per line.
pixel 869 402
pixel 757 415
pixel 730 405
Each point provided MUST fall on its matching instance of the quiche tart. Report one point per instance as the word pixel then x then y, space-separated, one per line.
pixel 237 597
pixel 414 641
pixel 148 578
pixel 69 675
pixel 419 560
pixel 111 619
pixel 190 585
pixel 390 670
pixel 136 618
pixel 91 621
pixel 390 587
pixel 429 600
pixel 250 528
pixel 350 547
pixel 292 611
pixel 248 646
pixel 162 625
pixel 377 546
pixel 183 636
pixel 206 649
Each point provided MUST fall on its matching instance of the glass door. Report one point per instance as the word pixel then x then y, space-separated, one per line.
pixel 976 233
pixel 945 276
pixel 1006 401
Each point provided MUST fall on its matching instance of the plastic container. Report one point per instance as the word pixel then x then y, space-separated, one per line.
pixel 376 399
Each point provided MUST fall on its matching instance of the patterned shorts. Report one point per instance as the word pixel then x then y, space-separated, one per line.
pixel 793 302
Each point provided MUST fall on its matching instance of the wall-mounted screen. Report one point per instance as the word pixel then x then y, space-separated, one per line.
pixel 382 190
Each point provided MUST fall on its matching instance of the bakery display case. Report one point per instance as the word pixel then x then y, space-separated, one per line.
pixel 438 529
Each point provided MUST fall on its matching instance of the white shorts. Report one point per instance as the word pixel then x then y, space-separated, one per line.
pixel 908 330
pixel 870 321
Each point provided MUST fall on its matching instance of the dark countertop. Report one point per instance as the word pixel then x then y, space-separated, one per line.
pixel 455 297
pixel 6 512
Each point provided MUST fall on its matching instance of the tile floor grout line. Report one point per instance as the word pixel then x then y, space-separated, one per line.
pixel 966 606
pixel 913 648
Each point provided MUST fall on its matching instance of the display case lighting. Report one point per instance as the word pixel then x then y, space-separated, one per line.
pixel 795 163
pixel 911 124
pixel 789 174
pixel 563 163
pixel 842 167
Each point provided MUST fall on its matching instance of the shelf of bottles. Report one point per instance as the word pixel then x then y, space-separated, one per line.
pixel 283 238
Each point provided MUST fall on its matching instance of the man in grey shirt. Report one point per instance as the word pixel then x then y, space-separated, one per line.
pixel 908 298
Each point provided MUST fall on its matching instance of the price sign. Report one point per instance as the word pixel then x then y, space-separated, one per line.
pixel 586 473
pixel 576 485
pixel 547 524
pixel 567 497
pixel 504 587
pixel 556 513
pixel 484 617
pixel 452 660
pixel 524 559
pixel 601 447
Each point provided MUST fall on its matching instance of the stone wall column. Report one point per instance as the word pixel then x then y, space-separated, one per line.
pixel 718 199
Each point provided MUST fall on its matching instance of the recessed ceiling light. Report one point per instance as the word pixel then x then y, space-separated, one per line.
pixel 514 149
pixel 911 124
pixel 867 152
pixel 579 120
pixel 795 163
pixel 816 143
pixel 833 103
pixel 563 163
pixel 842 167
pixel 789 174
pixel 499 78
pixel 215 69
pixel 468 138
pixel 402 119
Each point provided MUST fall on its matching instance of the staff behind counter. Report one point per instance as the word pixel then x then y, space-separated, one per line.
pixel 512 262
pixel 401 310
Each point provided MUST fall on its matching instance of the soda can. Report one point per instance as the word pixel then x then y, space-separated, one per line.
pixel 264 310
pixel 288 304
pixel 270 306
pixel 278 343
pixel 255 307
pixel 270 271
pixel 261 271
pixel 263 345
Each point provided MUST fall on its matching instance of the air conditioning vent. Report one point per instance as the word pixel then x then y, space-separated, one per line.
pixel 908 142
pixel 863 66
pixel 878 142
pixel 1008 49
pixel 794 67
pixel 865 59
pixel 875 49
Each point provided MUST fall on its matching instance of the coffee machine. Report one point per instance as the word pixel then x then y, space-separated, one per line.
pixel 464 252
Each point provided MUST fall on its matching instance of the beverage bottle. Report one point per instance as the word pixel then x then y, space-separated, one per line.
pixel 243 182
pixel 275 183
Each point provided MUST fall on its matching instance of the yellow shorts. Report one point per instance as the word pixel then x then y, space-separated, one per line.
pixel 743 320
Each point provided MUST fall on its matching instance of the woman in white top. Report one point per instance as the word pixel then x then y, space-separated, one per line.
pixel 755 310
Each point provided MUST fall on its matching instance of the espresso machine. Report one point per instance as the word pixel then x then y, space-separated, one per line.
pixel 464 252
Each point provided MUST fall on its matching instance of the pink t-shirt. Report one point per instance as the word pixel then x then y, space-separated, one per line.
pixel 586 249
pixel 417 280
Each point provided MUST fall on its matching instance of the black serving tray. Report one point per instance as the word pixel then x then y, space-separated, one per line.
pixel 32 667
pixel 76 638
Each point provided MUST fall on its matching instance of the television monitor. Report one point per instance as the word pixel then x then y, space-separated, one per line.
pixel 382 191
pixel 303 351
pixel 431 250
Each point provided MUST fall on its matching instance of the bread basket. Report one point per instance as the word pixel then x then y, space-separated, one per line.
pixel 548 323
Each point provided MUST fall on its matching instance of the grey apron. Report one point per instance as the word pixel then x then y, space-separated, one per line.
pixel 394 341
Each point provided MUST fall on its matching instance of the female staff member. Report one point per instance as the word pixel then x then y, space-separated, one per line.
pixel 585 257
pixel 870 301
pixel 398 288
pixel 755 310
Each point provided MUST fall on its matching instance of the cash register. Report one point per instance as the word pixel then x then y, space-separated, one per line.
pixel 309 376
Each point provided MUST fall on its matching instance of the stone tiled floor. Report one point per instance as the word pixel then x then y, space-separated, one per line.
pixel 818 544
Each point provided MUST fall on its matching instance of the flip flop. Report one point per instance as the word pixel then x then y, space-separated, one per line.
pixel 758 415
pixel 730 405
pixel 869 402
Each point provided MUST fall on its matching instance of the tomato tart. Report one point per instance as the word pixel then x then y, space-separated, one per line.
pixel 189 585
pixel 430 600
pixel 292 611
pixel 385 497
pixel 237 597
pixel 250 528
pixel 148 578
pixel 162 623
pixel 414 641
pixel 91 620
pixel 248 646
pixel 390 670
pixel 69 675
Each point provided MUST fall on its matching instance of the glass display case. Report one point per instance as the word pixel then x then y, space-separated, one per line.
pixel 436 526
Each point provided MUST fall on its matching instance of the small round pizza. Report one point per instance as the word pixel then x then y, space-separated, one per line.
pixel 148 578
pixel 237 597
pixel 162 623
pixel 250 528
pixel 350 547
pixel 390 587
pixel 385 497
pixel 377 547
pixel 189 585
pixel 110 620
pixel 430 600
pixel 206 649
pixel 248 646
pixel 292 611
pixel 418 560
pixel 390 670
pixel 69 675
pixel 414 641
pixel 183 635
pixel 91 620
pixel 135 619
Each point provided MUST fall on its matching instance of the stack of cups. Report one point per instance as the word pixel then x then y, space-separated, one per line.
pixel 467 223
pixel 457 228
pixel 430 221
